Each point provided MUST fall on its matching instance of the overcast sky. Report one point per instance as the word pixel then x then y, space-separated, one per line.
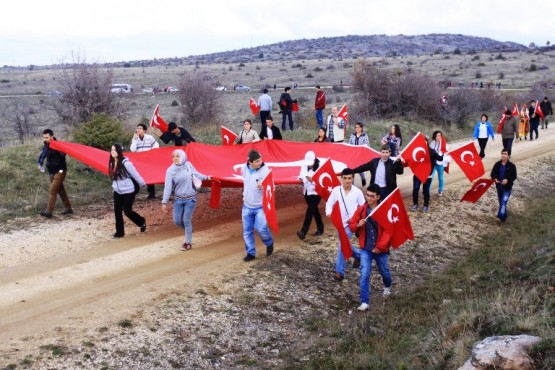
pixel 48 32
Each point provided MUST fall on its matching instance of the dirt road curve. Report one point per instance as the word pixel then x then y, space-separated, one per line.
pixel 68 272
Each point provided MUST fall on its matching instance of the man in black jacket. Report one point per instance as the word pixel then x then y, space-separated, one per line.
pixel 178 135
pixel 383 171
pixel 547 109
pixel 504 174
pixel 57 169
pixel 286 107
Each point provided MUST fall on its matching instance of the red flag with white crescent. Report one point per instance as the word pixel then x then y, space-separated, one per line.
pixel 417 156
pixel 501 123
pixel 343 113
pixel 295 107
pixel 340 227
pixel 228 136
pixel 157 121
pixel 254 107
pixel 325 180
pixel 269 201
pixel 392 215
pixel 469 161
pixel 538 110
pixel 515 111
pixel 478 189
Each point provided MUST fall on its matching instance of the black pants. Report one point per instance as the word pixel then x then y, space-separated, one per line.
pixel 284 116
pixel 508 143
pixel 263 115
pixel 123 203
pixel 425 189
pixel 151 190
pixel 482 143
pixel 312 210
pixel 533 128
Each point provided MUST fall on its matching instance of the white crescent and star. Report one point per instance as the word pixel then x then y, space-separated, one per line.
pixel 390 215
pixel 269 194
pixel 480 186
pixel 415 151
pixel 464 154
pixel 325 175
pixel 226 138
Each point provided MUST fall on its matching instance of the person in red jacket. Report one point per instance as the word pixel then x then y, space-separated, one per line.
pixel 374 245
pixel 319 106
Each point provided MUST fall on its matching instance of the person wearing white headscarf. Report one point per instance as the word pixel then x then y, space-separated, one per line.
pixel 179 180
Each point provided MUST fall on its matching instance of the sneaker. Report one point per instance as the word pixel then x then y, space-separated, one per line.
pixel 186 246
pixel 248 257
pixel 67 211
pixel 425 209
pixel 116 235
pixel 269 250
pixel 46 214
pixel 301 235
pixel 151 196
pixel 414 208
pixel 338 277
pixel 386 291
pixel 363 307
pixel 143 228
pixel 356 263
pixel 440 194
pixel 318 233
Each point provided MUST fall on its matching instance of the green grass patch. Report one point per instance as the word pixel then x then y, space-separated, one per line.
pixel 506 287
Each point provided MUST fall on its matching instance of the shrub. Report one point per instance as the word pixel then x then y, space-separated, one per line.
pixel 457 51
pixel 174 103
pixel 501 75
pixel 478 74
pixel 338 88
pixel 199 100
pixel 318 69
pixel 533 67
pixel 309 75
pixel 101 132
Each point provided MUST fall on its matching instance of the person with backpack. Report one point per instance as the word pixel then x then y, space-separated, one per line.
pixel 123 174
pixel 286 108
pixel 183 180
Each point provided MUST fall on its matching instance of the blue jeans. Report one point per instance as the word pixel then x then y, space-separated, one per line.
pixel 340 261
pixel 366 258
pixel 439 168
pixel 182 215
pixel 254 219
pixel 503 197
pixel 320 117
pixel 284 115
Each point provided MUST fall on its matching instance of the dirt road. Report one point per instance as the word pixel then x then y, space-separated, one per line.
pixel 68 272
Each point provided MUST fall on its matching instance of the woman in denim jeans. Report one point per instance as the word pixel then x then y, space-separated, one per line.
pixel 179 180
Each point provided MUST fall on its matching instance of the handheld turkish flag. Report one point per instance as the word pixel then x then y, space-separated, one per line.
pixel 295 107
pixel 228 136
pixel 340 227
pixel 469 161
pixel 215 194
pixel 501 123
pixel 157 121
pixel 417 156
pixel 269 202
pixel 478 189
pixel 538 110
pixel 343 113
pixel 325 180
pixel 392 215
pixel 515 111
pixel 254 107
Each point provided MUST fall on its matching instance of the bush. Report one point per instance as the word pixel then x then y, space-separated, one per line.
pixel 478 74
pixel 199 100
pixel 309 75
pixel 174 103
pixel 318 69
pixel 102 131
pixel 533 68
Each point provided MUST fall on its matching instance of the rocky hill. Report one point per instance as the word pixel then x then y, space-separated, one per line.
pixel 351 46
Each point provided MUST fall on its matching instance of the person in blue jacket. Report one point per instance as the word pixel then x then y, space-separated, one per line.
pixel 482 132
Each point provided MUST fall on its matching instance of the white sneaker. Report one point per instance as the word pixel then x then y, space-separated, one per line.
pixel 363 307
pixel 386 292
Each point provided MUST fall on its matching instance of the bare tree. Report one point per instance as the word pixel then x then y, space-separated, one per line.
pixel 85 91
pixel 199 100
pixel 19 114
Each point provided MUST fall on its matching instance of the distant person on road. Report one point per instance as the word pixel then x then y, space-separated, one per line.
pixel 312 199
pixel 178 135
pixel 247 134
pixel 335 127
pixel 143 142
pixel 265 105
pixel 319 106
pixel 510 131
pixel 57 170
pixel 394 140
pixel 253 172
pixel 359 138
pixel 286 107
pixel 547 110
pixel 270 131
pixel 350 198
pixel 483 131
pixel 179 181
pixel 374 244
pixel 123 173
pixel 322 138
pixel 504 174
pixel 523 124
pixel 534 121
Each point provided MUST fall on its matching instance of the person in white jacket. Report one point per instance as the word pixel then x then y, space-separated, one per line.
pixel 311 164
pixel 349 198
pixel 123 174
pixel 143 142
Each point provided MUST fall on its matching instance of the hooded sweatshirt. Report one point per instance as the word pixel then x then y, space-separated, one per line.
pixel 179 179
